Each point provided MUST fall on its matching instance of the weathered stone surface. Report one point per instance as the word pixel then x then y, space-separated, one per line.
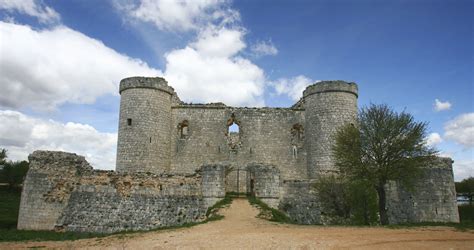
pixel 62 192
pixel 300 202
pixel 432 199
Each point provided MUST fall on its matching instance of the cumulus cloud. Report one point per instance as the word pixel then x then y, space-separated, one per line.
pixel 34 8
pixel 183 15
pixel 291 87
pixel 441 106
pixel 21 134
pixel 463 169
pixel 434 139
pixel 45 68
pixel 461 129
pixel 209 70
pixel 264 48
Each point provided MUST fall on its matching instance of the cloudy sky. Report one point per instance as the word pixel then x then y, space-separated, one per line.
pixel 61 63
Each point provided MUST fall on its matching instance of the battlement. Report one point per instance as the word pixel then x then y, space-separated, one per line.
pixel 331 86
pixel 145 82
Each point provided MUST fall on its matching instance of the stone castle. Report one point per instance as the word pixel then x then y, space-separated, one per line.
pixel 175 160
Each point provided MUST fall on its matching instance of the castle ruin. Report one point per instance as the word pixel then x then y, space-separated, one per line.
pixel 175 160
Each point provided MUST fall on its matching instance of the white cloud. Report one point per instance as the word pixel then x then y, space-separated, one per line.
pixel 21 135
pixel 434 139
pixel 292 87
pixel 461 129
pixel 264 48
pixel 441 106
pixel 209 70
pixel 43 69
pixel 463 169
pixel 181 15
pixel 33 8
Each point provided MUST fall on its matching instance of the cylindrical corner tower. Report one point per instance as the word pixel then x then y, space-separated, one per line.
pixel 328 105
pixel 144 125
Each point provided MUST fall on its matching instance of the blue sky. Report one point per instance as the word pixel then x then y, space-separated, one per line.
pixel 61 61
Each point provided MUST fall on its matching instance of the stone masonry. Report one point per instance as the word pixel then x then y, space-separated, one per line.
pixel 175 160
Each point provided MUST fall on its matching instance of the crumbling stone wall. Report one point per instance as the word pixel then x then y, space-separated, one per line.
pixel 299 201
pixel 62 192
pixel 432 199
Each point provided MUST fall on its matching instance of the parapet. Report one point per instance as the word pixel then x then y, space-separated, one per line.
pixel 146 82
pixel 331 86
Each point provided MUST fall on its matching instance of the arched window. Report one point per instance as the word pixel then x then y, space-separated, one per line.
pixel 234 128
pixel 183 129
pixel 297 133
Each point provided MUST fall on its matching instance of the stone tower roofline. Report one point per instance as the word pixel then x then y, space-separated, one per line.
pixel 158 83
pixel 331 86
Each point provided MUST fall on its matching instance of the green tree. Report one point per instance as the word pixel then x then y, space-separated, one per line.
pixel 347 201
pixel 3 156
pixel 466 188
pixel 13 173
pixel 384 146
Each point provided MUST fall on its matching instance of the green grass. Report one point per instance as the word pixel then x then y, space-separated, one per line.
pixel 9 206
pixel 275 214
pixel 10 203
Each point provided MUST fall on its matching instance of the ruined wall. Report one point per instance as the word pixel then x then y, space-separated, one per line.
pixel 144 125
pixel 263 181
pixel 62 192
pixel 47 188
pixel 298 199
pixel 433 198
pixel 266 135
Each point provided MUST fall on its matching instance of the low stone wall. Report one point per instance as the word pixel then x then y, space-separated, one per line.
pixel 62 192
pixel 433 198
pixel 300 201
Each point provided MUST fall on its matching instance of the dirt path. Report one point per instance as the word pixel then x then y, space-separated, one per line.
pixel 241 230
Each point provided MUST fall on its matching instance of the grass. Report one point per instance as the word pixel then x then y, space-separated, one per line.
pixel 10 203
pixel 268 212
pixel 9 206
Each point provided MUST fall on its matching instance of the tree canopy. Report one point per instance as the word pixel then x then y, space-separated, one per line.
pixel 466 188
pixel 384 146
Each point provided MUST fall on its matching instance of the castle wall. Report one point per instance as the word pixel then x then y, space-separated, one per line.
pixel 263 181
pixel 144 125
pixel 62 192
pixel 265 136
pixel 328 106
pixel 299 200
pixel 432 199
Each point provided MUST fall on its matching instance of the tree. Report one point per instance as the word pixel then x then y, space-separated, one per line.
pixel 346 201
pixel 384 146
pixel 466 188
pixel 3 156
pixel 14 173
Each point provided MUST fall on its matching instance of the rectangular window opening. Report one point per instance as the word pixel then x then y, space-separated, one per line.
pixel 129 121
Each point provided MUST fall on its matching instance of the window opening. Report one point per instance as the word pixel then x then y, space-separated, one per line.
pixel 129 121
pixel 183 129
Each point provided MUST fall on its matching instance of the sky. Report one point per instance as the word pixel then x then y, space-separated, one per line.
pixel 61 63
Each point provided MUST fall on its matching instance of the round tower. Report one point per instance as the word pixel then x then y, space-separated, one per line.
pixel 144 125
pixel 328 105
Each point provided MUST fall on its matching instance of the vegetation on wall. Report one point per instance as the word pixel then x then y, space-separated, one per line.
pixel 384 146
pixel 346 201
